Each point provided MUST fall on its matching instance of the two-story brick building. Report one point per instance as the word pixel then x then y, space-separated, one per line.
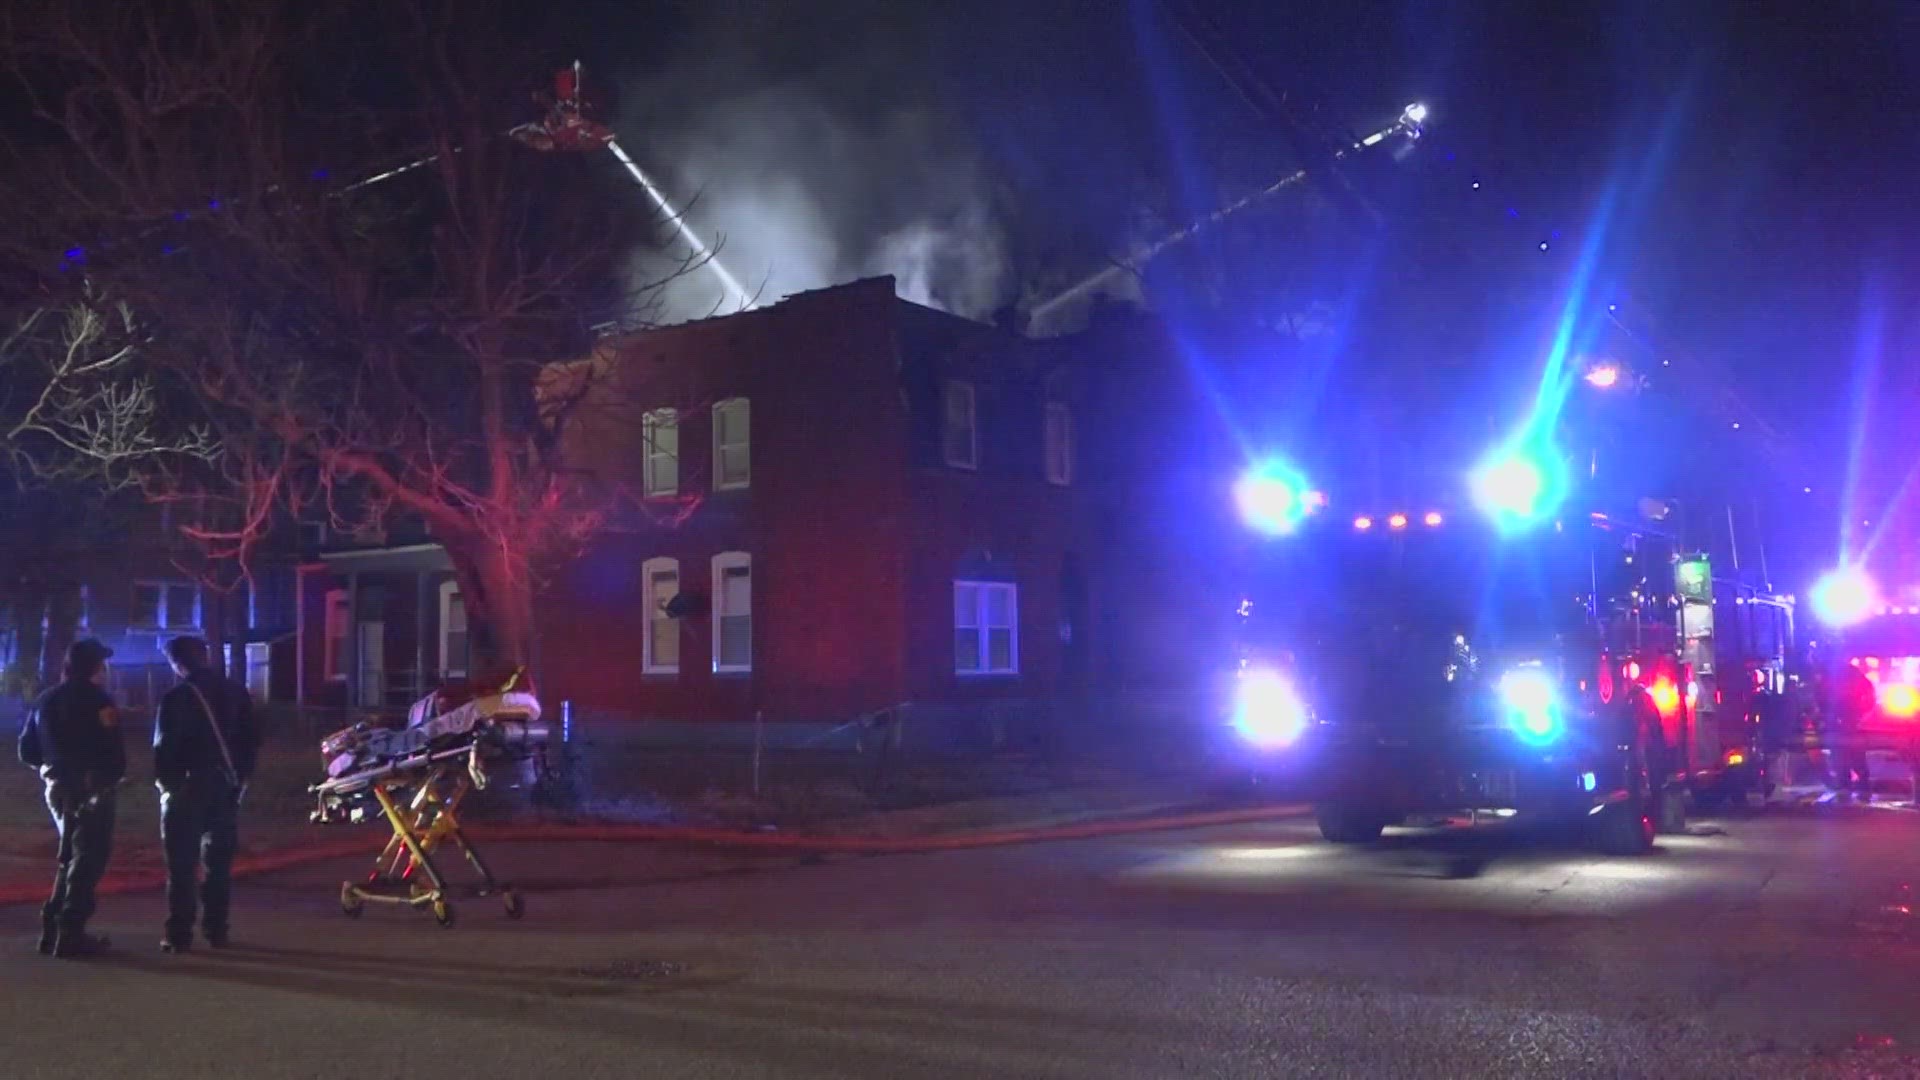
pixel 875 505
pixel 885 516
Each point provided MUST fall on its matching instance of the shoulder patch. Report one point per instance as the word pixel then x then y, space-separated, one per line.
pixel 109 717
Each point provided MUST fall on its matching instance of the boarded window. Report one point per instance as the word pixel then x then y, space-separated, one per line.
pixel 1059 444
pixel 958 428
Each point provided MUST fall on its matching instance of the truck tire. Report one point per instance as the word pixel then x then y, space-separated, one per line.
pixel 1624 829
pixel 1349 824
pixel 1670 814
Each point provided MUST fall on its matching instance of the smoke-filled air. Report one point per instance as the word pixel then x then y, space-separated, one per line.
pixel 802 175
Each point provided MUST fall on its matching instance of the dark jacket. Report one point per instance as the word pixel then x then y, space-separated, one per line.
pixel 183 740
pixel 73 735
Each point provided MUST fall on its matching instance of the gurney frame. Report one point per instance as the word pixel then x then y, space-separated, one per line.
pixel 421 804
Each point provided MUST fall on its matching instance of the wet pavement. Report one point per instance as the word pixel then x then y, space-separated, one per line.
pixel 1780 944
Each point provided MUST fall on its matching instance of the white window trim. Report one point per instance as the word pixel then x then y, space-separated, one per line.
pixel 1061 411
pixel 973 425
pixel 448 590
pixel 982 629
pixel 723 562
pixel 745 408
pixel 650 426
pixel 647 570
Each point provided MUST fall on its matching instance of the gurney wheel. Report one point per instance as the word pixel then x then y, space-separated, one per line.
pixel 443 914
pixel 516 908
pixel 350 903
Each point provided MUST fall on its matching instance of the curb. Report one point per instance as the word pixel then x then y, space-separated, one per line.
pixel 292 858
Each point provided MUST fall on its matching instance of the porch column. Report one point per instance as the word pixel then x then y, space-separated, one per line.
pixel 426 594
pixel 300 639
pixel 352 659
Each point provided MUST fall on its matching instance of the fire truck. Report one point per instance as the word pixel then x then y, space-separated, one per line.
pixel 1415 663
pixel 1867 680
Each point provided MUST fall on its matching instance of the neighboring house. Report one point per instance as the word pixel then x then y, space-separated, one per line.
pixel 134 585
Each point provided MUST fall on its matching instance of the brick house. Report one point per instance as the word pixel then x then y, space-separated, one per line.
pixel 886 516
pixel 881 506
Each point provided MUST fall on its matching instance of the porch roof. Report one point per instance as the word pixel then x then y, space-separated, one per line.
pixel 405 558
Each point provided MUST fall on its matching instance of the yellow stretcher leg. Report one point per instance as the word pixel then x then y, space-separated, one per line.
pixel 419 825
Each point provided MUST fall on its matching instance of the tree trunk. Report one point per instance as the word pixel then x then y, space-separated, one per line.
pixel 499 603
pixel 30 613
pixel 63 622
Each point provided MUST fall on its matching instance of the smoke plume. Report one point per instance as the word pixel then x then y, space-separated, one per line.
pixel 812 173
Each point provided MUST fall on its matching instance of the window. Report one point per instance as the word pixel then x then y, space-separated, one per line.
pixel 733 612
pixel 183 607
pixel 986 638
pixel 661 430
pixel 165 606
pixel 732 445
pixel 959 439
pixel 147 602
pixel 661 649
pixel 336 647
pixel 258 666
pixel 453 631
pixel 1059 440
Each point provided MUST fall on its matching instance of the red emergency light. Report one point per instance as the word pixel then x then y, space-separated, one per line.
pixel 1666 696
pixel 1900 700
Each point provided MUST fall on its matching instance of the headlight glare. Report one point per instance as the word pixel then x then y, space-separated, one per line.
pixel 1267 710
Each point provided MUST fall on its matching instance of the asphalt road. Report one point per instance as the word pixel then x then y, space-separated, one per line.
pixel 1775 945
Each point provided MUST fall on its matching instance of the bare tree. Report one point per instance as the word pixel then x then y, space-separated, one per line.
pixel 371 351
pixel 75 404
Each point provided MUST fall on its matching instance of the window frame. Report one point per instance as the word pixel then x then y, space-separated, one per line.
pixel 652 424
pixel 193 619
pixel 723 562
pixel 983 628
pixel 648 630
pixel 744 408
pixel 163 620
pixel 449 590
pixel 972 394
pixel 1060 452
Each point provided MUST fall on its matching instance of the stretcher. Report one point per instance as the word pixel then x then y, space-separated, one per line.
pixel 414 779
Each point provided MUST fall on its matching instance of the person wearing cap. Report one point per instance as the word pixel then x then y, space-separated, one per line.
pixel 73 738
pixel 205 746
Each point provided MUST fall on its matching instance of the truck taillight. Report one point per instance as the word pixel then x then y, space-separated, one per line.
pixel 1899 700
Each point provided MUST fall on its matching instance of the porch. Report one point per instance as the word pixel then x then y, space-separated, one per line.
pixel 379 628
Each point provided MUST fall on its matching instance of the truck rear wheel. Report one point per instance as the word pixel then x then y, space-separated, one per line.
pixel 1349 824
pixel 1624 829
pixel 1670 816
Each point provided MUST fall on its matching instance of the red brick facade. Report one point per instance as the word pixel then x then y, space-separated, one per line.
pixel 855 527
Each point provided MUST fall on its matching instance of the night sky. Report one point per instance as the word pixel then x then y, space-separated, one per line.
pixel 1756 156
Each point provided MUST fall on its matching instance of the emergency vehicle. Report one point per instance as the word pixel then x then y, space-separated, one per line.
pixel 1869 689
pixel 1418 663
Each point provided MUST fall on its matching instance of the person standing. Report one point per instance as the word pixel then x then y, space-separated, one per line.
pixel 73 738
pixel 205 746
